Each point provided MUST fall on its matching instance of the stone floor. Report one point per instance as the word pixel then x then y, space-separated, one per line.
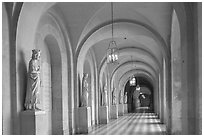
pixel 131 124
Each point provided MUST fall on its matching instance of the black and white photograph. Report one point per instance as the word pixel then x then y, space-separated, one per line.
pixel 101 68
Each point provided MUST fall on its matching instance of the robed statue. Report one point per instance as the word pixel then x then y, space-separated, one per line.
pixel 33 82
pixel 113 97
pixel 104 96
pixel 125 98
pixel 121 97
pixel 85 88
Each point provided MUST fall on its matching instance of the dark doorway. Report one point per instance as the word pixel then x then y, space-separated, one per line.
pixel 142 99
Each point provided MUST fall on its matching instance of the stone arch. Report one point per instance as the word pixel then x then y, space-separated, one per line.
pixel 126 51
pixel 56 87
pixel 43 31
pixel 139 54
pixel 95 36
pixel 142 73
pixel 36 36
pixel 140 65
pixel 122 74
pixel 134 62
pixel 138 72
pixel 133 99
pixel 119 26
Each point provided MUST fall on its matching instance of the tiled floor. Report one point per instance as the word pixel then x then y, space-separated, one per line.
pixel 131 124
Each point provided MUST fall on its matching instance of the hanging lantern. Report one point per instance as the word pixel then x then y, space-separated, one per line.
pixel 112 51
pixel 132 81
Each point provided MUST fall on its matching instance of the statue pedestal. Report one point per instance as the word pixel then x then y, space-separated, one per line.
pixel 33 122
pixel 84 121
pixel 103 115
pixel 114 112
pixel 125 108
pixel 120 110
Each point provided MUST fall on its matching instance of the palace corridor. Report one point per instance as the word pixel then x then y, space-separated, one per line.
pixel 101 68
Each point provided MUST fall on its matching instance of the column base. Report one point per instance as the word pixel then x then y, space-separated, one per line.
pixel 103 115
pixel 33 122
pixel 120 110
pixel 84 124
pixel 125 108
pixel 114 112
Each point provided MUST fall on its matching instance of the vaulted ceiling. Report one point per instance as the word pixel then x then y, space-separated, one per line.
pixel 141 30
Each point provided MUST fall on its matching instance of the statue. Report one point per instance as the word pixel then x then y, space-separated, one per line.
pixel 104 95
pixel 114 97
pixel 85 93
pixel 33 82
pixel 121 97
pixel 125 98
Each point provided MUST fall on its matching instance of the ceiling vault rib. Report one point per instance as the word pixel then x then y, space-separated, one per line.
pixel 156 60
pixel 141 71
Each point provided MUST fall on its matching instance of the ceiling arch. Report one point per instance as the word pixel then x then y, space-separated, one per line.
pixel 137 72
pixel 140 33
pixel 137 54
pixel 124 26
pixel 127 67
pixel 129 64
